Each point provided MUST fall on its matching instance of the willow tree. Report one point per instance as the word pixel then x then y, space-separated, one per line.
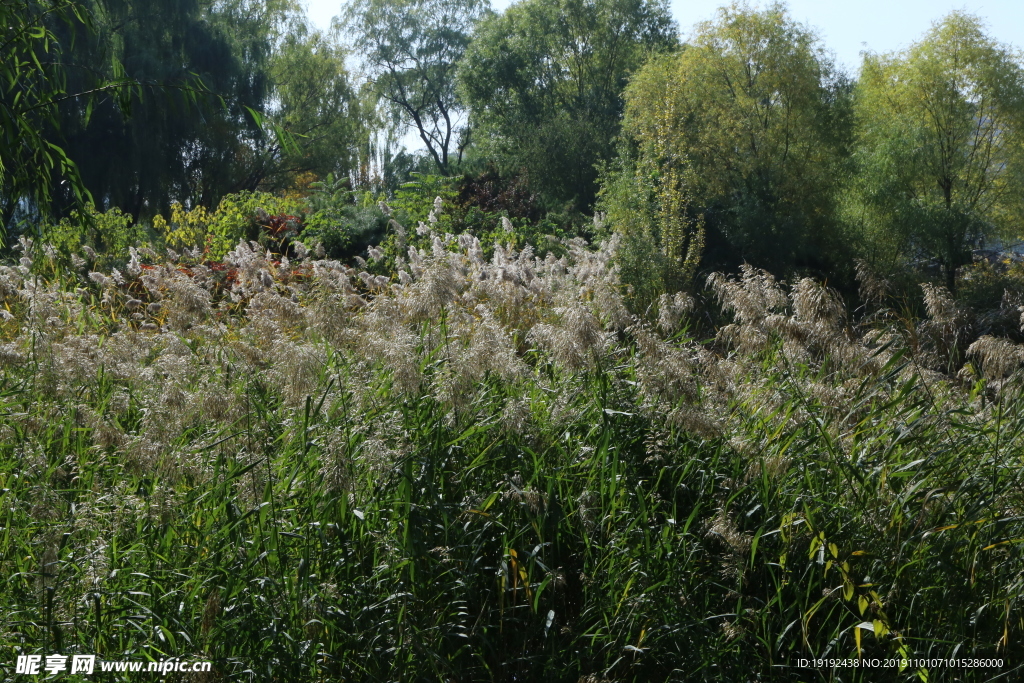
pixel 202 67
pixel 941 131
pixel 36 38
pixel 317 108
pixel 746 129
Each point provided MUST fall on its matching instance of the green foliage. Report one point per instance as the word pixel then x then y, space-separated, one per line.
pixel 497 211
pixel 202 66
pixel 299 509
pixel 414 201
pixel 31 84
pixel 413 48
pixel 343 221
pixel 663 235
pixel 994 289
pixel 940 127
pixel 318 106
pixel 646 272
pixel 110 233
pixel 748 126
pixel 236 218
pixel 35 82
pixel 470 461
pixel 544 82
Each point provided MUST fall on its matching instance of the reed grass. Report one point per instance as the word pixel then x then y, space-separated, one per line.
pixel 496 473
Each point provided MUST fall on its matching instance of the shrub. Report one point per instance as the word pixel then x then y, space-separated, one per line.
pixel 237 217
pixel 109 233
pixel 343 221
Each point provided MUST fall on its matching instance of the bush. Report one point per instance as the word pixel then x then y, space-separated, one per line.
pixel 994 291
pixel 345 222
pixel 494 208
pixel 237 217
pixel 109 233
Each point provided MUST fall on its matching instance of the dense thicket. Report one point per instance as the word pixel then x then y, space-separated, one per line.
pixel 487 469
pixel 168 148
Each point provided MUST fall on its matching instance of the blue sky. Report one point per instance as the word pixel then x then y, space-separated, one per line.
pixel 846 28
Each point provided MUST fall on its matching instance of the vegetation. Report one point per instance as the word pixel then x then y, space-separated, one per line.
pixel 491 469
pixel 747 129
pixel 544 83
pixel 531 404
pixel 413 48
pixel 941 127
pixel 35 83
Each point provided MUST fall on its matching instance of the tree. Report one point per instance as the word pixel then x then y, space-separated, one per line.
pixel 412 48
pixel 544 83
pixel 745 128
pixel 175 146
pixel 941 146
pixel 316 107
pixel 33 85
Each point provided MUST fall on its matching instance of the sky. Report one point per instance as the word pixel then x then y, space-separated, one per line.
pixel 846 27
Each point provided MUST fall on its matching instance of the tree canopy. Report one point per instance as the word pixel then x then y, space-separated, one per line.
pixel 544 84
pixel 170 149
pixel 35 82
pixel 317 104
pixel 744 144
pixel 747 126
pixel 941 146
pixel 412 48
pixel 137 104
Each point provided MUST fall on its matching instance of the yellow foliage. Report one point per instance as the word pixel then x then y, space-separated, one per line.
pixel 220 231
pixel 109 231
pixel 187 228
pixel 300 187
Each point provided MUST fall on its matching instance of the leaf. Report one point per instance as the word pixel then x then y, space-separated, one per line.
pixel 285 139
pixel 867 626
pixel 880 628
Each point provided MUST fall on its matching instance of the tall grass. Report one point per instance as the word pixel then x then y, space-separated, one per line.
pixel 494 472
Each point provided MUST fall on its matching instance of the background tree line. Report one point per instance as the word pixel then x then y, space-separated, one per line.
pixel 156 101
pixel 743 143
